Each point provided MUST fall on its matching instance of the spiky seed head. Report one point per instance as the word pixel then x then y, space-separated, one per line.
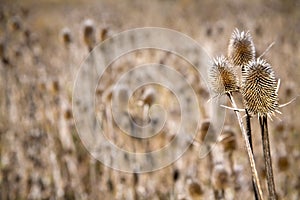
pixel 259 88
pixel 228 139
pixel 176 175
pixel 89 33
pixel 2 49
pixel 283 163
pixel 204 128
pixel 66 36
pixel 241 49
pixel 103 34
pixel 149 96
pixel 220 177
pixel 222 76
pixel 15 23
pixel 121 95
pixel 195 189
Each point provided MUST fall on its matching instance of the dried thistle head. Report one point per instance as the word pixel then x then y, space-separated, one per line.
pixel 148 96
pixel 66 36
pixel 241 49
pixel 283 163
pixel 259 88
pixel 220 177
pixel 89 33
pixel 222 76
pixel 2 49
pixel 195 189
pixel 103 34
pixel 228 139
pixel 204 128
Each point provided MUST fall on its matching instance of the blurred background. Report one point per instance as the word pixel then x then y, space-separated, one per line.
pixel 43 43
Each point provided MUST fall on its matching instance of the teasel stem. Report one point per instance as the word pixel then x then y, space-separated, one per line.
pixel 249 150
pixel 263 121
pixel 248 130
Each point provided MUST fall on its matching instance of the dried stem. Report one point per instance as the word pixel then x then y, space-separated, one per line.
pixel 248 130
pixel 248 147
pixel 263 121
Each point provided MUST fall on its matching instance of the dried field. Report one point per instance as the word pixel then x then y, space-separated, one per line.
pixel 42 46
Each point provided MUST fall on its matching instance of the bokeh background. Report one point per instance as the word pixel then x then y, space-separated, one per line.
pixel 42 46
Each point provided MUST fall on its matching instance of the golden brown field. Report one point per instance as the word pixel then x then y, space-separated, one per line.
pixel 44 43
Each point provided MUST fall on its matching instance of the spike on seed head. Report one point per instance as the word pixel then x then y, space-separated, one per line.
pixel 259 88
pixel 222 76
pixel 241 48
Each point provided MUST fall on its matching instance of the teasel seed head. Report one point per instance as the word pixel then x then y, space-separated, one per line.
pixel 89 34
pixel 227 139
pixel 149 96
pixel 103 34
pixel 195 189
pixel 222 76
pixel 66 36
pixel 204 128
pixel 283 163
pixel 241 49
pixel 220 177
pixel 259 88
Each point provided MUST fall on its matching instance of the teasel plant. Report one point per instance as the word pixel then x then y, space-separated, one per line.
pixel 260 96
pixel 259 89
pixel 223 79
pixel 241 51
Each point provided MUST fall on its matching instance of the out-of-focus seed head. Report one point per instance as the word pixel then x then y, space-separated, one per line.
pixel 15 23
pixel 283 163
pixel 89 33
pixel 2 49
pixel 227 139
pixel 68 114
pixel 259 88
pixel 241 49
pixel 195 189
pixel 176 175
pixel 66 36
pixel 121 96
pixel 148 96
pixel 222 76
pixel 103 34
pixel 220 178
pixel 204 128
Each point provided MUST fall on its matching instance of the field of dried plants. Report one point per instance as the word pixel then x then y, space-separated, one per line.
pixel 44 43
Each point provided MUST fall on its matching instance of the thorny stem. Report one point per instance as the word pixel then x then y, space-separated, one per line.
pixel 248 130
pixel 263 121
pixel 248 147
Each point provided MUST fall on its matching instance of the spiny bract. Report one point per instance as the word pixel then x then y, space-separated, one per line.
pixel 241 49
pixel 222 77
pixel 259 88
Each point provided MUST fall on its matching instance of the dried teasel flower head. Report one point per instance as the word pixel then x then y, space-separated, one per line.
pixel 66 36
pixel 227 139
pixel 15 23
pixel 89 37
pixel 220 177
pixel 259 88
pixel 103 34
pixel 222 76
pixel 195 189
pixel 149 96
pixel 2 49
pixel 241 49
